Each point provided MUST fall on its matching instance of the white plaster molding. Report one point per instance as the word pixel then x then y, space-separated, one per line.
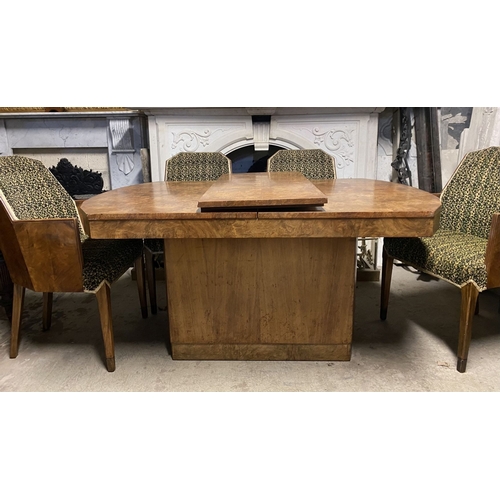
pixel 350 137
pixel 261 136
pixel 484 130
pixel 172 134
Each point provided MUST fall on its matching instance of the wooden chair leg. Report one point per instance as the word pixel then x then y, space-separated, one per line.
pixel 104 302
pixel 17 311
pixel 47 310
pixel 150 271
pixel 468 305
pixel 141 284
pixel 387 262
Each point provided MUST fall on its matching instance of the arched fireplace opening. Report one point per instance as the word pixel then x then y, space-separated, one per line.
pixel 246 159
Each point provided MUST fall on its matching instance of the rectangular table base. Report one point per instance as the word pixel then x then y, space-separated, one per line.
pixel 261 298
pixel 262 352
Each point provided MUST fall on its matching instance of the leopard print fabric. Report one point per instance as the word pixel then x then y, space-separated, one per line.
pixel 456 251
pixel 32 192
pixel 197 167
pixel 107 260
pixel 315 164
pixel 473 194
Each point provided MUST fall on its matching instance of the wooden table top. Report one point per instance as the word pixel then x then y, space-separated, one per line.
pixel 259 190
pixel 355 208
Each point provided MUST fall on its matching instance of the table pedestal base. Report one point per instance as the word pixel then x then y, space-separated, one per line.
pixel 261 298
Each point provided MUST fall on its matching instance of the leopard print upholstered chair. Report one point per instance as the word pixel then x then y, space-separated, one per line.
pixel 465 250
pixel 47 250
pixel 315 164
pixel 182 167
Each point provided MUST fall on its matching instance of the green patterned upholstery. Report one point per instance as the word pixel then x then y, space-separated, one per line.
pixel 456 251
pixel 197 167
pixel 32 192
pixel 315 164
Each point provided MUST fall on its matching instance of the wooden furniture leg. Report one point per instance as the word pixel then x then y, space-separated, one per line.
pixel 17 310
pixel 387 264
pixel 47 310
pixel 468 304
pixel 104 302
pixel 141 284
pixel 150 271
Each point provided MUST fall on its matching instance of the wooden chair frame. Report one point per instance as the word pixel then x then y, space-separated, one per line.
pixel 45 255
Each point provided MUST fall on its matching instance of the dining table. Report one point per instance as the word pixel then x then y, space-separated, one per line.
pixel 261 266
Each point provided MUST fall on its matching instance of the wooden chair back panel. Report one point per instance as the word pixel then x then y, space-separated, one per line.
pixel 44 255
pixel 53 254
pixel 11 250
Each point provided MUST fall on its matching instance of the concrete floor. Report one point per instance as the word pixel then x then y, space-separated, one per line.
pixel 414 350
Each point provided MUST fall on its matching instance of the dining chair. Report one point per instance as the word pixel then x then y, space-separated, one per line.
pixel 465 249
pixel 47 250
pixel 315 164
pixel 182 167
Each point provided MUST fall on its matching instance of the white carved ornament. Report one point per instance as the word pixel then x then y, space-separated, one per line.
pixel 339 142
pixel 190 141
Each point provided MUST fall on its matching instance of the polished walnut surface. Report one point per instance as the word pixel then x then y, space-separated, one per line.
pixel 354 198
pixel 355 208
pixel 263 189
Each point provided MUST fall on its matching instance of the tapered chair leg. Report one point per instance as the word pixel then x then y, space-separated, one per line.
pixel 141 284
pixel 468 305
pixel 103 296
pixel 17 311
pixel 150 271
pixel 47 310
pixel 387 263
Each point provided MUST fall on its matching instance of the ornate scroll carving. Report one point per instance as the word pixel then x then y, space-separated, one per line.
pixel 190 141
pixel 339 142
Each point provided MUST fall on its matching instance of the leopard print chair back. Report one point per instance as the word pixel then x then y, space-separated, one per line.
pixel 32 192
pixel 314 164
pixel 472 194
pixel 197 167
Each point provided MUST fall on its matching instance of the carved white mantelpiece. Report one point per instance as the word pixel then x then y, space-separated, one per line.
pixel 348 134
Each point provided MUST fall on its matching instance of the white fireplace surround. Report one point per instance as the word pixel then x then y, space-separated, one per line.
pixel 350 135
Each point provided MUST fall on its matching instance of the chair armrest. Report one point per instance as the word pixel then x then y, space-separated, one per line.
pixel 492 257
pixel 52 253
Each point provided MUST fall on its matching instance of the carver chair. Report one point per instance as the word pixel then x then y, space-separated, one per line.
pixel 315 164
pixel 47 250
pixel 465 250
pixel 184 167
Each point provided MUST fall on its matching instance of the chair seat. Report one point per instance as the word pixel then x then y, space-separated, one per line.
pixel 107 260
pixel 154 245
pixel 450 255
